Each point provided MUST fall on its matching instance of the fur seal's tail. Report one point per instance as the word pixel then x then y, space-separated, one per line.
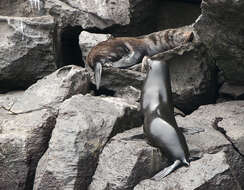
pixel 98 74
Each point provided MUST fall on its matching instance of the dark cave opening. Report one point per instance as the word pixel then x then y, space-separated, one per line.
pixel 69 52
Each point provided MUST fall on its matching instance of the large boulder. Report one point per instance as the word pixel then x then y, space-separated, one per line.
pixel 226 119
pixel 99 14
pixel 84 125
pixel 125 161
pixel 220 30
pixel 192 71
pixel 229 91
pixel 54 89
pixel 219 145
pixel 88 40
pixel 193 76
pixel 26 50
pixel 210 172
pixel 27 120
pixel 23 139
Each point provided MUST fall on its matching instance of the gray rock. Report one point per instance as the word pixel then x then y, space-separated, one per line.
pixel 54 88
pixel 210 172
pixel 96 14
pixel 222 126
pixel 6 103
pixel 219 165
pixel 220 30
pixel 88 40
pixel 83 127
pixel 230 91
pixel 23 140
pixel 123 83
pixel 231 120
pixel 21 8
pixel 26 52
pixel 125 161
pixel 193 76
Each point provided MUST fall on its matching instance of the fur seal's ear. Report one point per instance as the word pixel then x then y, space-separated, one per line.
pixel 98 74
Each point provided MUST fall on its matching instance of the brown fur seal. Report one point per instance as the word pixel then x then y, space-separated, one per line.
pixel 123 52
pixel 160 126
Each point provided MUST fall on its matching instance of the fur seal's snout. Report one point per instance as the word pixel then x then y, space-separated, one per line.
pixel 160 126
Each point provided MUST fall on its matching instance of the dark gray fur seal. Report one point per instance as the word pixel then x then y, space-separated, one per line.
pixel 160 126
pixel 124 52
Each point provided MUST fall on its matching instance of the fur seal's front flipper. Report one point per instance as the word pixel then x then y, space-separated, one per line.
pixel 98 74
pixel 131 59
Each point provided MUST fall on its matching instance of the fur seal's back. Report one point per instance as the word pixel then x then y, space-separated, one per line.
pixel 127 51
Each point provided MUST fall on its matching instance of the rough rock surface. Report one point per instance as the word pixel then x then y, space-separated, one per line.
pixel 98 14
pixel 23 140
pixel 193 76
pixel 125 161
pixel 235 92
pixel 88 40
pixel 24 136
pixel 226 119
pixel 221 162
pixel 84 125
pixel 26 52
pixel 54 88
pixel 210 172
pixel 220 30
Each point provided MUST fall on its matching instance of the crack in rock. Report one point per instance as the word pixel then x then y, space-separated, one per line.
pixel 223 132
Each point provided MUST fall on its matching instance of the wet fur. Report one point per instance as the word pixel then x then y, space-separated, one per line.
pixel 124 52
pixel 160 126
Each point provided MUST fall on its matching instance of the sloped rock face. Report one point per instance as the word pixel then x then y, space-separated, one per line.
pixel 220 30
pixel 98 14
pixel 54 89
pixel 125 161
pixel 84 125
pixel 26 129
pixel 192 71
pixel 221 161
pixel 23 140
pixel 88 40
pixel 193 76
pixel 210 172
pixel 26 52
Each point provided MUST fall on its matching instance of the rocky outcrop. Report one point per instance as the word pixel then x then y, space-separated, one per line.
pixel 84 125
pixel 88 40
pixel 23 139
pixel 219 159
pixel 232 92
pixel 125 161
pixel 54 89
pixel 193 76
pixel 210 172
pixel 98 14
pixel 26 123
pixel 26 52
pixel 220 30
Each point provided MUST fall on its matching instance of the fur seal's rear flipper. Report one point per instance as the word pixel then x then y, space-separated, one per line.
pixel 166 171
pixel 98 74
